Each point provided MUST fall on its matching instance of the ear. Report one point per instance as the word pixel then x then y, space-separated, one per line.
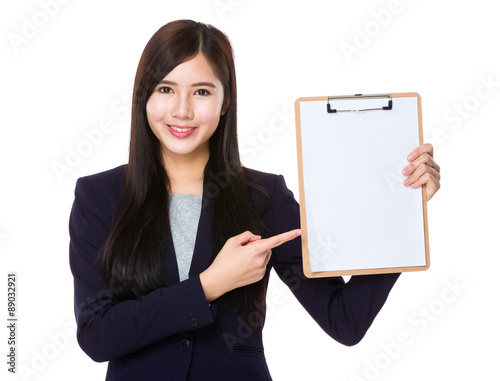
pixel 225 106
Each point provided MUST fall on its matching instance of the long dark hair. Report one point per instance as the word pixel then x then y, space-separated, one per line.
pixel 132 259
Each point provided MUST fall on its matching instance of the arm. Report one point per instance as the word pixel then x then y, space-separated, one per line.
pixel 344 311
pixel 107 329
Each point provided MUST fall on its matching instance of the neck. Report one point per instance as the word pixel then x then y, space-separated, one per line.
pixel 185 172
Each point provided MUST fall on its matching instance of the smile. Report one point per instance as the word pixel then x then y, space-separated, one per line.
pixel 180 129
pixel 181 132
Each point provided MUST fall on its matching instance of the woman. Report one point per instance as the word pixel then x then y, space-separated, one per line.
pixel 171 253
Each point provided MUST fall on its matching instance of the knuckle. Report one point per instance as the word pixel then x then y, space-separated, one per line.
pixel 254 252
pixel 261 272
pixel 262 262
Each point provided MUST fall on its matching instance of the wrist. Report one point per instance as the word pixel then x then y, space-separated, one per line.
pixel 211 285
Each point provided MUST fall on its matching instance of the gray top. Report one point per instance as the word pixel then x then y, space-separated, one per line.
pixel 185 211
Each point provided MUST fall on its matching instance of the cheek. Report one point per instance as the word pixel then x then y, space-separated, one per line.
pixel 154 110
pixel 209 114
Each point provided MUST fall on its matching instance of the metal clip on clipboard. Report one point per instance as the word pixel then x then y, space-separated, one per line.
pixel 359 96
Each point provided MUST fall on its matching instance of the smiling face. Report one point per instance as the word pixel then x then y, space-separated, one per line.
pixel 184 109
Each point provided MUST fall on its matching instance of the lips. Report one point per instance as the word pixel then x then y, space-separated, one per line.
pixel 181 131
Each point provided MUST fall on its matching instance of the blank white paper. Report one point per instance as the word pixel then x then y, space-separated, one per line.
pixel 359 214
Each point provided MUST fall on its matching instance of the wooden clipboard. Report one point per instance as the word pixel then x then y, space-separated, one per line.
pixel 356 215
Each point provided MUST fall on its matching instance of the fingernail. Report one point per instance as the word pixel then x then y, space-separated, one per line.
pixel 411 157
pixel 299 232
pixel 414 185
pixel 406 182
pixel 406 171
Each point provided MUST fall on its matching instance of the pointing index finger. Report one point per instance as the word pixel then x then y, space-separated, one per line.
pixel 271 242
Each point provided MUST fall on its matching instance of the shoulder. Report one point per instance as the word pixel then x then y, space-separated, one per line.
pixel 264 179
pixel 111 180
pixel 274 184
pixel 283 207
pixel 103 189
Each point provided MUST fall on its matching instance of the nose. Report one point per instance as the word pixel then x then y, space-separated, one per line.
pixel 182 107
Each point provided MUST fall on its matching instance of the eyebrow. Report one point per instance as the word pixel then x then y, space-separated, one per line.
pixel 197 84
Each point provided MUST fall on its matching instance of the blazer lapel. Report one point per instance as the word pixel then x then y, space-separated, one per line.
pixel 202 254
pixel 170 268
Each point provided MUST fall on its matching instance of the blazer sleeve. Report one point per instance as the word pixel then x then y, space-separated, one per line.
pixel 344 311
pixel 107 329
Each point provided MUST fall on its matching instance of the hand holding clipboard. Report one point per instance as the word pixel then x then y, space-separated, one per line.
pixel 423 170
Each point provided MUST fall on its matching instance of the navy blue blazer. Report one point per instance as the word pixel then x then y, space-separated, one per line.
pixel 172 333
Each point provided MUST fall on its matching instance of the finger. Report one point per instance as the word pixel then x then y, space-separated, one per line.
pixel 254 238
pixel 424 148
pixel 422 159
pixel 419 172
pixel 269 243
pixel 428 180
pixel 283 237
pixel 431 188
pixel 245 237
pixel 432 185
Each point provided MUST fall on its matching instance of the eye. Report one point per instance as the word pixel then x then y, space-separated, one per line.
pixel 202 92
pixel 165 89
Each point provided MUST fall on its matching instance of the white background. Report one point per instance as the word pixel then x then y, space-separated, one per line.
pixel 76 70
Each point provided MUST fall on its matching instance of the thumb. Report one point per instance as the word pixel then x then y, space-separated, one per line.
pixel 254 238
pixel 246 237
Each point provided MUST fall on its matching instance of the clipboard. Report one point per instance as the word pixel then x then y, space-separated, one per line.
pixel 356 215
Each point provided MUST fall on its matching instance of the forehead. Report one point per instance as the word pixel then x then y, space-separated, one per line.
pixel 193 70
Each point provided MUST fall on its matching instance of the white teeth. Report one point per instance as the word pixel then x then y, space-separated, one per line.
pixel 181 129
